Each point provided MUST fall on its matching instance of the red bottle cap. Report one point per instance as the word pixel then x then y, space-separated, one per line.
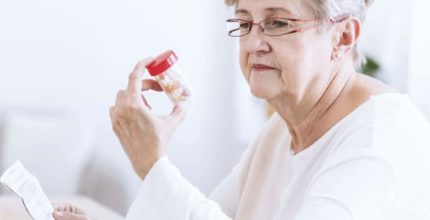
pixel 161 63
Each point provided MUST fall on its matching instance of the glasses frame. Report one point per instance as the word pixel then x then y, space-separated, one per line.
pixel 332 20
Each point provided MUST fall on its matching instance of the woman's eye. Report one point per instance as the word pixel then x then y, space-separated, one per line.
pixel 277 24
pixel 244 25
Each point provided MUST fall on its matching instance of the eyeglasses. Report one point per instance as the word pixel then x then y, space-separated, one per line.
pixel 276 26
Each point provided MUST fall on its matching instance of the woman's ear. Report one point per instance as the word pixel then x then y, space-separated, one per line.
pixel 346 37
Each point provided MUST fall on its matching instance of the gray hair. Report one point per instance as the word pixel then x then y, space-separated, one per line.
pixel 332 8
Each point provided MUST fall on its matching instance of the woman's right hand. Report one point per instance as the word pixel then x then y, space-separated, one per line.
pixel 69 212
pixel 143 135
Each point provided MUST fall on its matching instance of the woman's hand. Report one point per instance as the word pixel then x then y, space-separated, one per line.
pixel 143 135
pixel 69 212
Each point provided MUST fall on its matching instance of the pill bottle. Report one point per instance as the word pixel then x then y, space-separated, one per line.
pixel 165 69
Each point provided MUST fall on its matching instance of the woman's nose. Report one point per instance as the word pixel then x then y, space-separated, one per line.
pixel 255 41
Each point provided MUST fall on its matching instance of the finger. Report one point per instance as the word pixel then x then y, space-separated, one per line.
pixel 119 97
pixel 67 208
pixel 74 209
pixel 141 65
pixel 79 211
pixel 148 84
pixel 60 208
pixel 113 119
pixel 135 77
pixel 111 112
pixel 68 216
pixel 146 102
pixel 178 113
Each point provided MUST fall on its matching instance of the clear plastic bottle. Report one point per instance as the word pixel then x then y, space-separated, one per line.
pixel 166 71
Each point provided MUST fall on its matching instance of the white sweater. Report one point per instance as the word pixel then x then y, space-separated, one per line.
pixel 372 165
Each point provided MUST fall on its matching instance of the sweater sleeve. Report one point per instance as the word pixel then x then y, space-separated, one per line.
pixel 167 195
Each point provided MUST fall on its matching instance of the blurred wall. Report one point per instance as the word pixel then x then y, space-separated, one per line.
pixel 419 69
pixel 396 35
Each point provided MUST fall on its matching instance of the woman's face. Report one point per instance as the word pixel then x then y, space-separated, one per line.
pixel 289 65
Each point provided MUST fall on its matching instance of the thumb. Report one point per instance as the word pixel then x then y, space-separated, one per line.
pixel 68 216
pixel 178 113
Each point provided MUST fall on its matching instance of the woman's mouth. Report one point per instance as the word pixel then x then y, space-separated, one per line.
pixel 261 67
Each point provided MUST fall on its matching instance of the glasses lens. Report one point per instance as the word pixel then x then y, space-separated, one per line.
pixel 277 26
pixel 237 28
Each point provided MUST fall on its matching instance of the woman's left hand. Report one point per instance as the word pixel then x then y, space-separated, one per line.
pixel 69 212
pixel 143 135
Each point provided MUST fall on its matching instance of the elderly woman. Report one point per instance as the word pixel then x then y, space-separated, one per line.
pixel 340 146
